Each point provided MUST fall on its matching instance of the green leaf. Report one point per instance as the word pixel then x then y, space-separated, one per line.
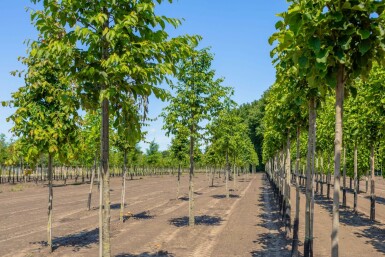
pixel 303 61
pixel 315 44
pixel 363 33
pixel 322 55
pixel 364 46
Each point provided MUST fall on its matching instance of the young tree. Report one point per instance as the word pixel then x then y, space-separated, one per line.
pixel 122 43
pixel 198 97
pixel 46 117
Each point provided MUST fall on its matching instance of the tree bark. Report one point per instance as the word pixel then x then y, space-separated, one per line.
pixel 177 190
pixel 308 244
pixel 50 203
pixel 287 187
pixel 123 195
pixel 91 185
pixel 191 183
pixel 294 252
pixel 337 160
pixel 344 181
pixel 355 178
pixel 372 192
pixel 105 138
pixel 227 174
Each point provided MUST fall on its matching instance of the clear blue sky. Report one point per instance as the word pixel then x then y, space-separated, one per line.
pixel 237 31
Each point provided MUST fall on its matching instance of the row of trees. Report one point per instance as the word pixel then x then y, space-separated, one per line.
pixel 323 52
pixel 105 59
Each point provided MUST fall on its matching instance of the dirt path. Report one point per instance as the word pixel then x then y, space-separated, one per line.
pixel 247 224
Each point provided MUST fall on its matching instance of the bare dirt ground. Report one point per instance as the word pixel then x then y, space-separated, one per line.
pixel 247 224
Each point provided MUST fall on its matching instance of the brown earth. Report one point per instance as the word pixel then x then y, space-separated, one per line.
pixel 247 224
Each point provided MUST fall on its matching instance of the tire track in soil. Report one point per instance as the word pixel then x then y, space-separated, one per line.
pixel 205 246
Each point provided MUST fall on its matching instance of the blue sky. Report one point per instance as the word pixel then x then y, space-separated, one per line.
pixel 237 32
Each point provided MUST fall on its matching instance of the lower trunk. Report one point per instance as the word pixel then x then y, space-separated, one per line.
pixel 91 185
pixel 287 187
pixel 355 178
pixel 337 161
pixel 344 181
pixel 294 251
pixel 50 200
pixel 105 179
pixel 177 190
pixel 191 183
pixel 227 174
pixel 372 192
pixel 308 244
pixel 123 195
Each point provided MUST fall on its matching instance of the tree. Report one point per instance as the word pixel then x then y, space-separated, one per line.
pixel 123 43
pixel 343 38
pixel 46 118
pixel 198 97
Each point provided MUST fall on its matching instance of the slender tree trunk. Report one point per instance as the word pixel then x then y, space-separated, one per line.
pixel 287 187
pixel 177 190
pixel 123 195
pixel 337 161
pixel 294 252
pixel 191 183
pixel 105 173
pixel 355 178
pixel 91 185
pixel 372 192
pixel 227 174
pixel 50 203
pixel 344 181
pixel 308 244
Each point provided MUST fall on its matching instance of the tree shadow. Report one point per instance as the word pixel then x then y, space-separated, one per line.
pixel 83 239
pixel 375 236
pixel 116 206
pixel 183 198
pixel 144 215
pixel 205 220
pixel 160 253
pixel 197 193
pixel 347 215
pixel 275 242
pixel 224 196
pixel 379 199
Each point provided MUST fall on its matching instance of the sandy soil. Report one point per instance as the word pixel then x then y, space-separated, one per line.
pixel 247 224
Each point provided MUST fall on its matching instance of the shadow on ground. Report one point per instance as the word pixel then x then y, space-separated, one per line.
pixel 224 196
pixel 83 239
pixel 116 206
pixel 273 243
pixel 144 215
pixel 375 236
pixel 347 216
pixel 205 220
pixel 147 254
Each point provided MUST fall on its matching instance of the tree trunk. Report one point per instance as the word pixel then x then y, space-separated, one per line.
pixel 355 178
pixel 177 190
pixel 91 185
pixel 372 192
pixel 123 195
pixel 308 244
pixel 337 160
pixel 287 187
pixel 294 251
pixel 105 139
pixel 227 174
pixel 50 203
pixel 191 183
pixel 344 181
